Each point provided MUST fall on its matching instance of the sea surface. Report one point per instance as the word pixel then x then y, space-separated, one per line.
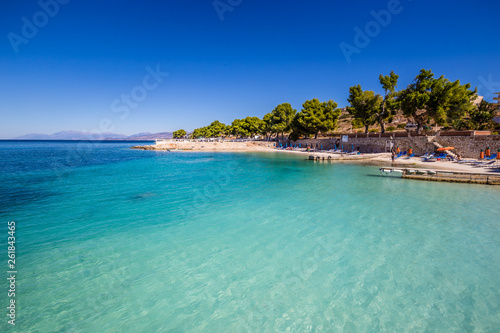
pixel 110 239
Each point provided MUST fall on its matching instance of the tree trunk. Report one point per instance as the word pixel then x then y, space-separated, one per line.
pixel 366 129
pixel 420 120
pixel 316 135
pixel 381 116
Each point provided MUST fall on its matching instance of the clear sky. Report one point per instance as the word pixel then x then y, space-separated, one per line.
pixel 70 65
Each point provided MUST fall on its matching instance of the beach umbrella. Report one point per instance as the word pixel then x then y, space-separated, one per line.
pixel 488 152
pixel 335 146
pixel 481 154
pixel 300 146
pixel 321 146
pixel 410 151
pixel 397 149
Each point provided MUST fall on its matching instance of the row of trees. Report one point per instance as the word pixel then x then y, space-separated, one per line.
pixel 426 98
pixel 314 118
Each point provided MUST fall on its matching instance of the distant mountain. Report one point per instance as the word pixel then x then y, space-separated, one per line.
pixel 75 135
pixel 149 136
pixel 33 137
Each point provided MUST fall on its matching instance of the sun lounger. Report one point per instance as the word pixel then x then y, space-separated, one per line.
pixel 442 155
pixel 486 161
pixel 430 158
pixel 466 161
pixel 410 156
pixel 492 157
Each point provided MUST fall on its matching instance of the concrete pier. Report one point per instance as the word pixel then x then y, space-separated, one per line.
pixel 446 175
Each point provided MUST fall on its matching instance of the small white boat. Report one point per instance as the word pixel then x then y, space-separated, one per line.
pixel 410 172
pixel 421 172
pixel 397 170
pixel 431 172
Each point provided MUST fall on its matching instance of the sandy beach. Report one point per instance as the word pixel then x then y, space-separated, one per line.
pixel 378 159
pixel 384 160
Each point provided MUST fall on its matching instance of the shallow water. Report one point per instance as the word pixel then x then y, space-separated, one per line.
pixel 113 239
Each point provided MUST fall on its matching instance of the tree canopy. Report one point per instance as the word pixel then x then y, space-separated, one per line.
pixel 426 99
pixel 281 118
pixel 438 99
pixel 179 133
pixel 479 118
pixel 215 129
pixel 389 104
pixel 315 117
pixel 482 116
pixel 248 126
pixel 364 105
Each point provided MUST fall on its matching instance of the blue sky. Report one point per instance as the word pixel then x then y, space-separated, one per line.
pixel 73 72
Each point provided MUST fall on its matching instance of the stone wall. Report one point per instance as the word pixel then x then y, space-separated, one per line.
pixel 470 146
pixel 467 146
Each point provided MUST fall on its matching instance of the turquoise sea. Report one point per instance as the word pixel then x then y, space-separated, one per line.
pixel 110 239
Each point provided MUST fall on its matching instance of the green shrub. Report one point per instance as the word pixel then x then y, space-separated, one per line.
pixel 373 130
pixel 390 128
pixel 402 126
pixel 356 123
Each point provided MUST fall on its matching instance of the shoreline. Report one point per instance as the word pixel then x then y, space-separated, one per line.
pixel 384 160
pixel 376 159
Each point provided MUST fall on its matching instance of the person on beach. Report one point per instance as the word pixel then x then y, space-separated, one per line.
pixel 393 155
